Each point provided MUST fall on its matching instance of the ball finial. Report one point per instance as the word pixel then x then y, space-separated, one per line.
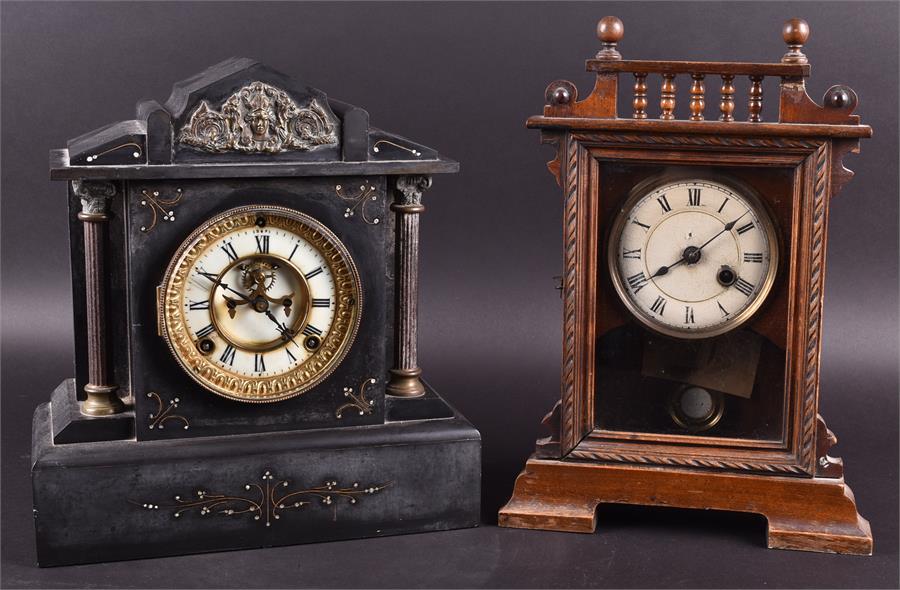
pixel 795 32
pixel 561 96
pixel 610 31
pixel 840 97
pixel 560 93
pixel 836 98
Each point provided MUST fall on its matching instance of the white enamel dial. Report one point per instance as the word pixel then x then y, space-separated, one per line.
pixel 252 343
pixel 693 258
pixel 260 303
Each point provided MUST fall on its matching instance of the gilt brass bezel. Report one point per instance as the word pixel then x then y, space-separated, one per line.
pixel 298 380
pixel 729 185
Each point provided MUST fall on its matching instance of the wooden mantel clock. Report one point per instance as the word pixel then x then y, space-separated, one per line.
pixel 694 269
pixel 245 264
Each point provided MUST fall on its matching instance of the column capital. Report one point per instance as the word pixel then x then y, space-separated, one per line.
pixel 409 192
pixel 94 195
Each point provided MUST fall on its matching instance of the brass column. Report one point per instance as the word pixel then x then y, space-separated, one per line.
pixel 102 399
pixel 404 378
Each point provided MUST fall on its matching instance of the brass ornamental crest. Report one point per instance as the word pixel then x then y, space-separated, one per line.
pixel 259 118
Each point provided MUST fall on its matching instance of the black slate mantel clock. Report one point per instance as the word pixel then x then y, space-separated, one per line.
pixel 244 264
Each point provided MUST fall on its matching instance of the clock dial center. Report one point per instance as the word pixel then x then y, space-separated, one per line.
pixel 692 255
pixel 240 314
pixel 682 241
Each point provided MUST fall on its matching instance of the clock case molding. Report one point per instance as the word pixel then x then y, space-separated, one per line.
pixel 794 482
pixel 136 190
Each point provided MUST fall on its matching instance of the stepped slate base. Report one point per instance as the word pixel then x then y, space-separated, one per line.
pixel 122 499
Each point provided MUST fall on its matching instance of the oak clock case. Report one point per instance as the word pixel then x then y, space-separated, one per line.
pixel 694 254
pixel 245 287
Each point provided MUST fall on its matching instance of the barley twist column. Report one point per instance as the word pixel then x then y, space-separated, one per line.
pixel 101 394
pixel 404 379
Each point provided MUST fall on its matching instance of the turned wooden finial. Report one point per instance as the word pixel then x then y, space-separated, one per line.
pixel 610 31
pixel 795 33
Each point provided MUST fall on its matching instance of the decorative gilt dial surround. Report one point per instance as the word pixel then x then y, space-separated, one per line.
pixel 203 360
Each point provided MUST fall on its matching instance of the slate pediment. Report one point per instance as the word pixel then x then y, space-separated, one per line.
pixel 240 112
pixel 242 108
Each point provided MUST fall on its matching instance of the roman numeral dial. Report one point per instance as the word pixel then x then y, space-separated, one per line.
pixel 260 303
pixel 692 258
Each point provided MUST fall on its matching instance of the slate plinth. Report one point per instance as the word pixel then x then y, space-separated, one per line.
pixel 122 499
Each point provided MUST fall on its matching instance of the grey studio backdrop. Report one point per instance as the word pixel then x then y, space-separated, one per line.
pixel 463 78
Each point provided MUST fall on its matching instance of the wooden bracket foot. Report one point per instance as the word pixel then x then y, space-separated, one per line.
pixel 809 514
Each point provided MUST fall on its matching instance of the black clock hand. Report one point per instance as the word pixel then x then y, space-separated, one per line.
pixel 286 332
pixel 689 252
pixel 232 304
pixel 728 227
pixel 238 293
pixel 665 269
pixel 216 281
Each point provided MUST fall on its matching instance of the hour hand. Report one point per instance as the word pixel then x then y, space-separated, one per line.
pixel 663 270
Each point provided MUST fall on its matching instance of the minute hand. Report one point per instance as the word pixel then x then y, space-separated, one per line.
pixel 728 227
